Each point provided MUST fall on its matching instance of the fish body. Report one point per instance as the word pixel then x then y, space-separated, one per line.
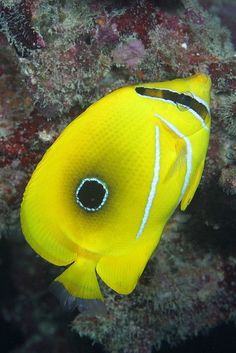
pixel 103 192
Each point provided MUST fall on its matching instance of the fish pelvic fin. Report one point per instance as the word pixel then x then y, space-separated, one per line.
pixel 80 279
pixel 187 198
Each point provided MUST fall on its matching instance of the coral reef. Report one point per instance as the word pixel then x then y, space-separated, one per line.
pixel 225 10
pixel 56 58
pixel 15 23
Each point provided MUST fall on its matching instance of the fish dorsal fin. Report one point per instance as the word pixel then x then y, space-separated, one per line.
pixel 80 279
pixel 187 198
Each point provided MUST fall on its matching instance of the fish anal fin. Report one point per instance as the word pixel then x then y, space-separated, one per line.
pixel 80 280
pixel 121 273
pixel 187 198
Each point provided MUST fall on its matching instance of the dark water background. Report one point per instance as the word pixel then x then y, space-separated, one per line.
pixel 221 339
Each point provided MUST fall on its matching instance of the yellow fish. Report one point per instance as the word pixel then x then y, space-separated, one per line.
pixel 102 193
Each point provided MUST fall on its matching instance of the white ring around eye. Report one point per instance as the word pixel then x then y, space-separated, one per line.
pixel 104 199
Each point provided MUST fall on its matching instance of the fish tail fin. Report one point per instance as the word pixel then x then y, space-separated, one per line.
pixel 80 280
pixel 87 307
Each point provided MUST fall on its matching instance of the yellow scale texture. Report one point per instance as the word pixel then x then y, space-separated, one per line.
pixel 115 140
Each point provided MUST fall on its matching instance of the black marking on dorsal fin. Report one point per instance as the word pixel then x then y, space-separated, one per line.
pixel 183 99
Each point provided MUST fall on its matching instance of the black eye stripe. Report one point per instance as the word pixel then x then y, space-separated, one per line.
pixel 178 98
pixel 91 194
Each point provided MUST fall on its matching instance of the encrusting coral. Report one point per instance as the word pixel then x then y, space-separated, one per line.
pixel 63 56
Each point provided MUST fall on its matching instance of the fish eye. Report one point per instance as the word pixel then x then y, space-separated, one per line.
pixel 184 101
pixel 91 194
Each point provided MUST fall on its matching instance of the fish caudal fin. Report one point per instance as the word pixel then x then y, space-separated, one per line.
pixel 88 307
pixel 80 280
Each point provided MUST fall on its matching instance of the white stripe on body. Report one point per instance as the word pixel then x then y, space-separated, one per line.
pixel 188 156
pixel 155 180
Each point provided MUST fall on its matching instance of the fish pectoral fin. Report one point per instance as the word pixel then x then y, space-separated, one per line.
pixel 180 160
pixel 121 273
pixel 80 279
pixel 187 198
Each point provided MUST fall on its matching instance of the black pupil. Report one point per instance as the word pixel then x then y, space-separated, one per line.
pixel 184 99
pixel 91 194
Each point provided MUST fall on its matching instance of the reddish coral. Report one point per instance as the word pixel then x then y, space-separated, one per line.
pixel 17 25
pixel 18 146
pixel 137 19
pixel 225 69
